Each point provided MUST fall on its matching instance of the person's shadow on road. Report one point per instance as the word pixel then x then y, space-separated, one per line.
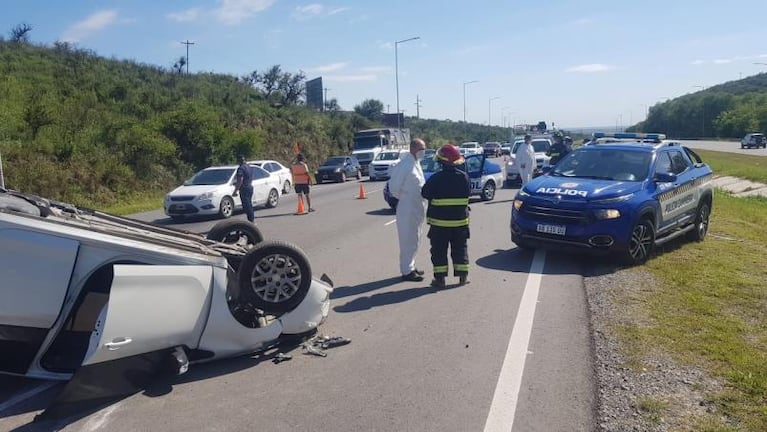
pixel 383 299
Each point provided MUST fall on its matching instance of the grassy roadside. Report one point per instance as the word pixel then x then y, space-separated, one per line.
pixel 710 311
pixel 139 203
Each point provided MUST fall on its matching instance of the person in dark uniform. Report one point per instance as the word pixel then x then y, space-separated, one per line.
pixel 448 216
pixel 558 150
pixel 244 185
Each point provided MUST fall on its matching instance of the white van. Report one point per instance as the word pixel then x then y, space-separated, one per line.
pixel 381 166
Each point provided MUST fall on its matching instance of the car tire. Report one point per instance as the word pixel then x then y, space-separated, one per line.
pixel 273 199
pixel 236 232
pixel 359 175
pixel 521 244
pixel 640 243
pixel 702 215
pixel 226 207
pixel 342 178
pixel 286 187
pixel 268 269
pixel 488 191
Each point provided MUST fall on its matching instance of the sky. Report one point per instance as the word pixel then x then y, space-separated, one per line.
pixel 574 63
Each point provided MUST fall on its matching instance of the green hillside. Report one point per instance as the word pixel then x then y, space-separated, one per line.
pixel 81 128
pixel 728 110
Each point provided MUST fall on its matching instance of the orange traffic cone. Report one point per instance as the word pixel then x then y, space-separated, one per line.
pixel 362 192
pixel 301 210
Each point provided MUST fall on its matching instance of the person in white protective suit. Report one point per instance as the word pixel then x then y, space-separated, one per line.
pixel 405 185
pixel 524 159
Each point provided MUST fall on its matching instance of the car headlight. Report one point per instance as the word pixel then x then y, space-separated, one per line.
pixel 517 204
pixel 607 214
pixel 522 193
pixel 206 195
pixel 338 170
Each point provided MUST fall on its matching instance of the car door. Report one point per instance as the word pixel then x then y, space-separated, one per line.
pixel 685 185
pixel 474 166
pixel 151 310
pixel 36 269
pixel 263 182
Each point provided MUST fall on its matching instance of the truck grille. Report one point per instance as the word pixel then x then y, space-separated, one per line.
pixel 553 214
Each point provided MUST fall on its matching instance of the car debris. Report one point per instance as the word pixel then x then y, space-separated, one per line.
pixel 281 357
pixel 312 350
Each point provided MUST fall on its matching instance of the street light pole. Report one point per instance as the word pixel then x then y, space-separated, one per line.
pixel 489 116
pixel 396 71
pixel 464 97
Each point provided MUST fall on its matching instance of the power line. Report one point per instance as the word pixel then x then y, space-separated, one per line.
pixel 187 43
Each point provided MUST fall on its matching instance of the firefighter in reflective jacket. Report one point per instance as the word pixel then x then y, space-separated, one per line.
pixel 448 216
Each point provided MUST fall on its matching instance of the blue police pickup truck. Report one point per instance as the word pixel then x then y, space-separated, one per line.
pixel 622 195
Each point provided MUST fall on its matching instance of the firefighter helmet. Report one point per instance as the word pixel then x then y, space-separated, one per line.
pixel 449 154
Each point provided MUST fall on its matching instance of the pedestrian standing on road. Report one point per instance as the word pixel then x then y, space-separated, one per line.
pixel 405 185
pixel 301 179
pixel 448 216
pixel 524 159
pixel 244 186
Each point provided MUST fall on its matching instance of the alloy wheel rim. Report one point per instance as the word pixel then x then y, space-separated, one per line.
pixel 275 278
pixel 640 242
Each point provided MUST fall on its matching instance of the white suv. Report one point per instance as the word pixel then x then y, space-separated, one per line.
pixel 470 148
pixel 541 147
pixel 380 168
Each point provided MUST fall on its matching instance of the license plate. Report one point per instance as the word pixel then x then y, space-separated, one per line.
pixel 551 229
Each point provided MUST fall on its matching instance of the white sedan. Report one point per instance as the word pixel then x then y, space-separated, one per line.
pixel 470 148
pixel 276 169
pixel 119 299
pixel 209 192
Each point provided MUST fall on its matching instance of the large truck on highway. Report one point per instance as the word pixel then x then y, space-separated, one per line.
pixel 369 143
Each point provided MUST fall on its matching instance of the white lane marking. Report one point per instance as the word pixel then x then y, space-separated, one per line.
pixel 27 395
pixel 98 421
pixel 390 222
pixel 504 406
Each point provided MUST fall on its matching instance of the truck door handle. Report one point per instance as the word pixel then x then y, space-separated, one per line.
pixel 117 343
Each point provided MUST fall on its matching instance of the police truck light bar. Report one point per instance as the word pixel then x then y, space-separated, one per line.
pixel 630 135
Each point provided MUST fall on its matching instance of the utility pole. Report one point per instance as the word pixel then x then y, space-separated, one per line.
pixel 187 43
pixel 387 109
pixel 325 97
pixel 396 71
pixel 417 107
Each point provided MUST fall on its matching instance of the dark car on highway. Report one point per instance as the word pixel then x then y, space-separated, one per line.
pixel 492 149
pixel 338 169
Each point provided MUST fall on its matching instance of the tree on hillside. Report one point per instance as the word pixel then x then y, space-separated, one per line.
pixel 332 105
pixel 20 33
pixel 277 86
pixel 178 67
pixel 371 109
pixel 36 115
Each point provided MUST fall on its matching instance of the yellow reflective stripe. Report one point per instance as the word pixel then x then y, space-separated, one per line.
pixel 461 267
pixel 440 269
pixel 447 223
pixel 439 202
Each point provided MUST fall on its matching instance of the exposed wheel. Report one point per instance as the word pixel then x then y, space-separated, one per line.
pixel 286 187
pixel 641 243
pixel 226 208
pixel 488 191
pixel 273 199
pixel 237 232
pixel 342 178
pixel 701 222
pixel 275 276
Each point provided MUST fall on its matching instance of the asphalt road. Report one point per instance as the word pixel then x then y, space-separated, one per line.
pixel 511 345
pixel 724 146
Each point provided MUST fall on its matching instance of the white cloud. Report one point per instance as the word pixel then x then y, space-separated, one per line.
pixel 89 25
pixel 338 10
pixel 697 62
pixel 185 15
pixel 722 61
pixel 350 78
pixel 593 67
pixel 375 69
pixel 233 12
pixel 314 10
pixel 332 67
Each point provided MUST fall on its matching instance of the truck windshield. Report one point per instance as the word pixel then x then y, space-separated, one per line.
pixel 368 142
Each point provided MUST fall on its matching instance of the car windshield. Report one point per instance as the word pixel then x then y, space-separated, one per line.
pixel 387 156
pixel 469 145
pixel 334 161
pixel 539 146
pixel 430 165
pixel 215 176
pixel 605 164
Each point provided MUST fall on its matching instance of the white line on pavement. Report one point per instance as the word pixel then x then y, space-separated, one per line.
pixel 390 222
pixel 27 394
pixel 504 405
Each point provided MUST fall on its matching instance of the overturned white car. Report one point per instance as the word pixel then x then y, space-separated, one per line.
pixel 88 294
